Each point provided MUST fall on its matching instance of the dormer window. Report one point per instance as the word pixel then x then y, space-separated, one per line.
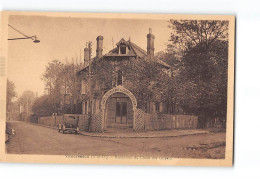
pixel 122 49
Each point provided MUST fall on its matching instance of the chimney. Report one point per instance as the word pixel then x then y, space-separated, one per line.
pixel 99 46
pixel 86 55
pixel 150 44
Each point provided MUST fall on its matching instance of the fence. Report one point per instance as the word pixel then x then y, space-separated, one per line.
pixel 147 121
pixel 151 121
pixel 47 120
pixel 217 122
pixel 159 121
pixel 83 120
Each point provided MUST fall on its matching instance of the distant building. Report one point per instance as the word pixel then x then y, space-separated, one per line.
pixel 116 105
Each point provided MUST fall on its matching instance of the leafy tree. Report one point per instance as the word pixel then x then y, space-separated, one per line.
pixel 168 57
pixel 26 101
pixel 51 75
pixel 61 84
pixel 189 33
pixel 201 73
pixel 43 106
pixel 10 95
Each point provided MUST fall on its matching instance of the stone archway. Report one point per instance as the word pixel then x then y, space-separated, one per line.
pixel 118 89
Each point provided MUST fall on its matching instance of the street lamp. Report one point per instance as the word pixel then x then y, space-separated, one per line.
pixel 34 38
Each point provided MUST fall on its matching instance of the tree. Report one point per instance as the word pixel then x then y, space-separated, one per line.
pixel 170 58
pixel 202 70
pixel 26 101
pixel 189 33
pixel 43 106
pixel 61 83
pixel 10 95
pixel 51 75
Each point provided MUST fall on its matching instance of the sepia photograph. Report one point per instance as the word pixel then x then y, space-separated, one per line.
pixel 152 89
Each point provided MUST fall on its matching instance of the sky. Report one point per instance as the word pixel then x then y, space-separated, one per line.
pixel 64 38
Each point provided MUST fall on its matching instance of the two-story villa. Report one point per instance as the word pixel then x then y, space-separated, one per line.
pixel 107 87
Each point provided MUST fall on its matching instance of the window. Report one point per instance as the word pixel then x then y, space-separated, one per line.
pixel 122 49
pixel 86 107
pixel 83 87
pixel 119 77
pixel 157 107
pixel 90 107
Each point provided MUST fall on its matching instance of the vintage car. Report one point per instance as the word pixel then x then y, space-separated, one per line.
pixel 68 128
pixel 70 124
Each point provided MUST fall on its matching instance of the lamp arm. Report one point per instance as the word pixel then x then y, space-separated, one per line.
pixel 32 37
pixel 19 38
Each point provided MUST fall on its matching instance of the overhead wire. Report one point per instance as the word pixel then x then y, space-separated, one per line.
pixel 18 31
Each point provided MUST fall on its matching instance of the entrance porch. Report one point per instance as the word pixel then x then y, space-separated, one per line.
pixel 118 112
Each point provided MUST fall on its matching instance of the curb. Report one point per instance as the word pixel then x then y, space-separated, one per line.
pixel 118 137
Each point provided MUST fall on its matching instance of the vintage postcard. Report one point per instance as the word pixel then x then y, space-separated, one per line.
pixel 134 89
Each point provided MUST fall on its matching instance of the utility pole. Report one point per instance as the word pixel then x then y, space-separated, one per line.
pixel 20 111
pixel 113 42
pixel 90 86
pixel 90 76
pixel 74 87
pixel 80 57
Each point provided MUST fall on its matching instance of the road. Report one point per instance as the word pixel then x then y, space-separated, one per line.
pixel 34 139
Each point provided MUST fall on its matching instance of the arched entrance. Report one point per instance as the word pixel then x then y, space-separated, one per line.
pixel 118 107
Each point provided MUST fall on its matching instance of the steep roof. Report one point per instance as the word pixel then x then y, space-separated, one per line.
pixel 162 63
pixel 133 50
pixel 138 50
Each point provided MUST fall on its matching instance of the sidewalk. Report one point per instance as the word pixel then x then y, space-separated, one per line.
pixel 147 134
